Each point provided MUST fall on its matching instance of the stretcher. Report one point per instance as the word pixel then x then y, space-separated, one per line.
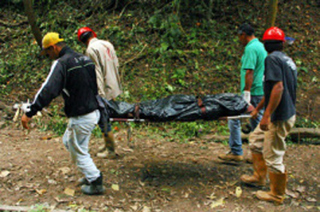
pixel 245 126
pixel 181 108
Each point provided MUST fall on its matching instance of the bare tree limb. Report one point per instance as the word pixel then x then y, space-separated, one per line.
pixel 296 134
pixel 31 18
pixel 273 8
pixel 11 25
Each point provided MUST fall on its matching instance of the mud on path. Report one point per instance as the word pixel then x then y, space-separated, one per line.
pixel 156 175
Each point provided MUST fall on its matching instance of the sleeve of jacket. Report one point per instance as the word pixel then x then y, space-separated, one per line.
pixel 49 90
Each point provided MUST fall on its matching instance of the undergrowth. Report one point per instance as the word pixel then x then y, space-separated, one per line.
pixel 164 48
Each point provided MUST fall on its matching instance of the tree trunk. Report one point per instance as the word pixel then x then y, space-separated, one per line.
pixel 32 21
pixel 272 14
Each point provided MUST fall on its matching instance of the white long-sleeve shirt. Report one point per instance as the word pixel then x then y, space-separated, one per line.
pixel 107 68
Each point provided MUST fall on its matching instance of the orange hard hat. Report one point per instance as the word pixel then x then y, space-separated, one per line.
pixel 274 33
pixel 83 30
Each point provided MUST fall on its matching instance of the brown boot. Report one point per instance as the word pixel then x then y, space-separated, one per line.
pixel 278 183
pixel 231 157
pixel 108 150
pixel 248 157
pixel 260 172
pixel 108 143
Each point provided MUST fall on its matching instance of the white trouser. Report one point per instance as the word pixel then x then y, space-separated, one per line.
pixel 76 139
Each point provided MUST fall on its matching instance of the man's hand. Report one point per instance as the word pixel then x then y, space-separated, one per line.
pixel 254 113
pixel 264 123
pixel 25 120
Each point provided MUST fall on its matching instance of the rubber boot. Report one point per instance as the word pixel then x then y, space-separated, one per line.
pixel 108 151
pixel 278 183
pixel 258 178
pixel 248 157
pixel 109 142
pixel 94 188
pixel 83 181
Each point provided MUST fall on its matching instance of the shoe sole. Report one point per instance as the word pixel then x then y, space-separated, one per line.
pixel 252 185
pixel 233 163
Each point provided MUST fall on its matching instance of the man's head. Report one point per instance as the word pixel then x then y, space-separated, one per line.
pixel 52 44
pixel 245 33
pixel 274 39
pixel 85 34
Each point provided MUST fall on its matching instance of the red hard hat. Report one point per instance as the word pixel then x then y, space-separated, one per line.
pixel 83 30
pixel 274 33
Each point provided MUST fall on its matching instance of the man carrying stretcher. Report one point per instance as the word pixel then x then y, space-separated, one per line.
pixel 251 75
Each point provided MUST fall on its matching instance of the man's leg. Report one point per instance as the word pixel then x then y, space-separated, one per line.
pixel 273 151
pixel 76 139
pixel 108 149
pixel 235 142
pixel 255 100
pixel 256 140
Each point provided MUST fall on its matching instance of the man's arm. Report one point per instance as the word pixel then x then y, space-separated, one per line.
pixel 249 80
pixel 49 90
pixel 255 112
pixel 248 84
pixel 275 98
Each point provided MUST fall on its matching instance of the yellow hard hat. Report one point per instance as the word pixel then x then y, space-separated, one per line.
pixel 51 38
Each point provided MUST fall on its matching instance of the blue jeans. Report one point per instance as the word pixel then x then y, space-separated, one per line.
pixel 234 125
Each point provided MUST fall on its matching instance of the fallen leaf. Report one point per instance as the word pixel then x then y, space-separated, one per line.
pixel 69 191
pixel 64 170
pixel 217 203
pixel 53 182
pixel 20 200
pixel 233 183
pixel 115 187
pixel 4 173
pixel 301 189
pixel 311 199
pixel 134 207
pixel 61 200
pixel 41 191
pixel 127 150
pixel 141 183
pixel 166 189
pixel 46 137
pixel 212 196
pixel 292 194
pixel 146 209
pixel 238 192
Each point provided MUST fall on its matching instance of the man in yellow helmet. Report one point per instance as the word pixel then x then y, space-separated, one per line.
pixel 72 75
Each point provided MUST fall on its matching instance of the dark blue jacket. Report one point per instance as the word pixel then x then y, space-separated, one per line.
pixel 74 76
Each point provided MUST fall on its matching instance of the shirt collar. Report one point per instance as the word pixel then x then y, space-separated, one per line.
pixel 64 50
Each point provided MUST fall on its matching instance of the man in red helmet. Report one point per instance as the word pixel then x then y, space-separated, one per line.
pixel 109 87
pixel 267 142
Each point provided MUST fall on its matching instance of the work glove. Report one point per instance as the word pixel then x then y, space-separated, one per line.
pixel 247 96
pixel 25 107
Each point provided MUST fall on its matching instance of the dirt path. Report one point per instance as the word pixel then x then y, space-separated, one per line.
pixel 155 175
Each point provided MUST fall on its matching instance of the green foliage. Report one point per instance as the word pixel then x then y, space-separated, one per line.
pixel 169 27
pixel 306 123
pixel 39 208
pixel 164 48
pixel 57 123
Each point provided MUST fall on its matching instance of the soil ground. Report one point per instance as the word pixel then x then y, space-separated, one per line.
pixel 152 174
